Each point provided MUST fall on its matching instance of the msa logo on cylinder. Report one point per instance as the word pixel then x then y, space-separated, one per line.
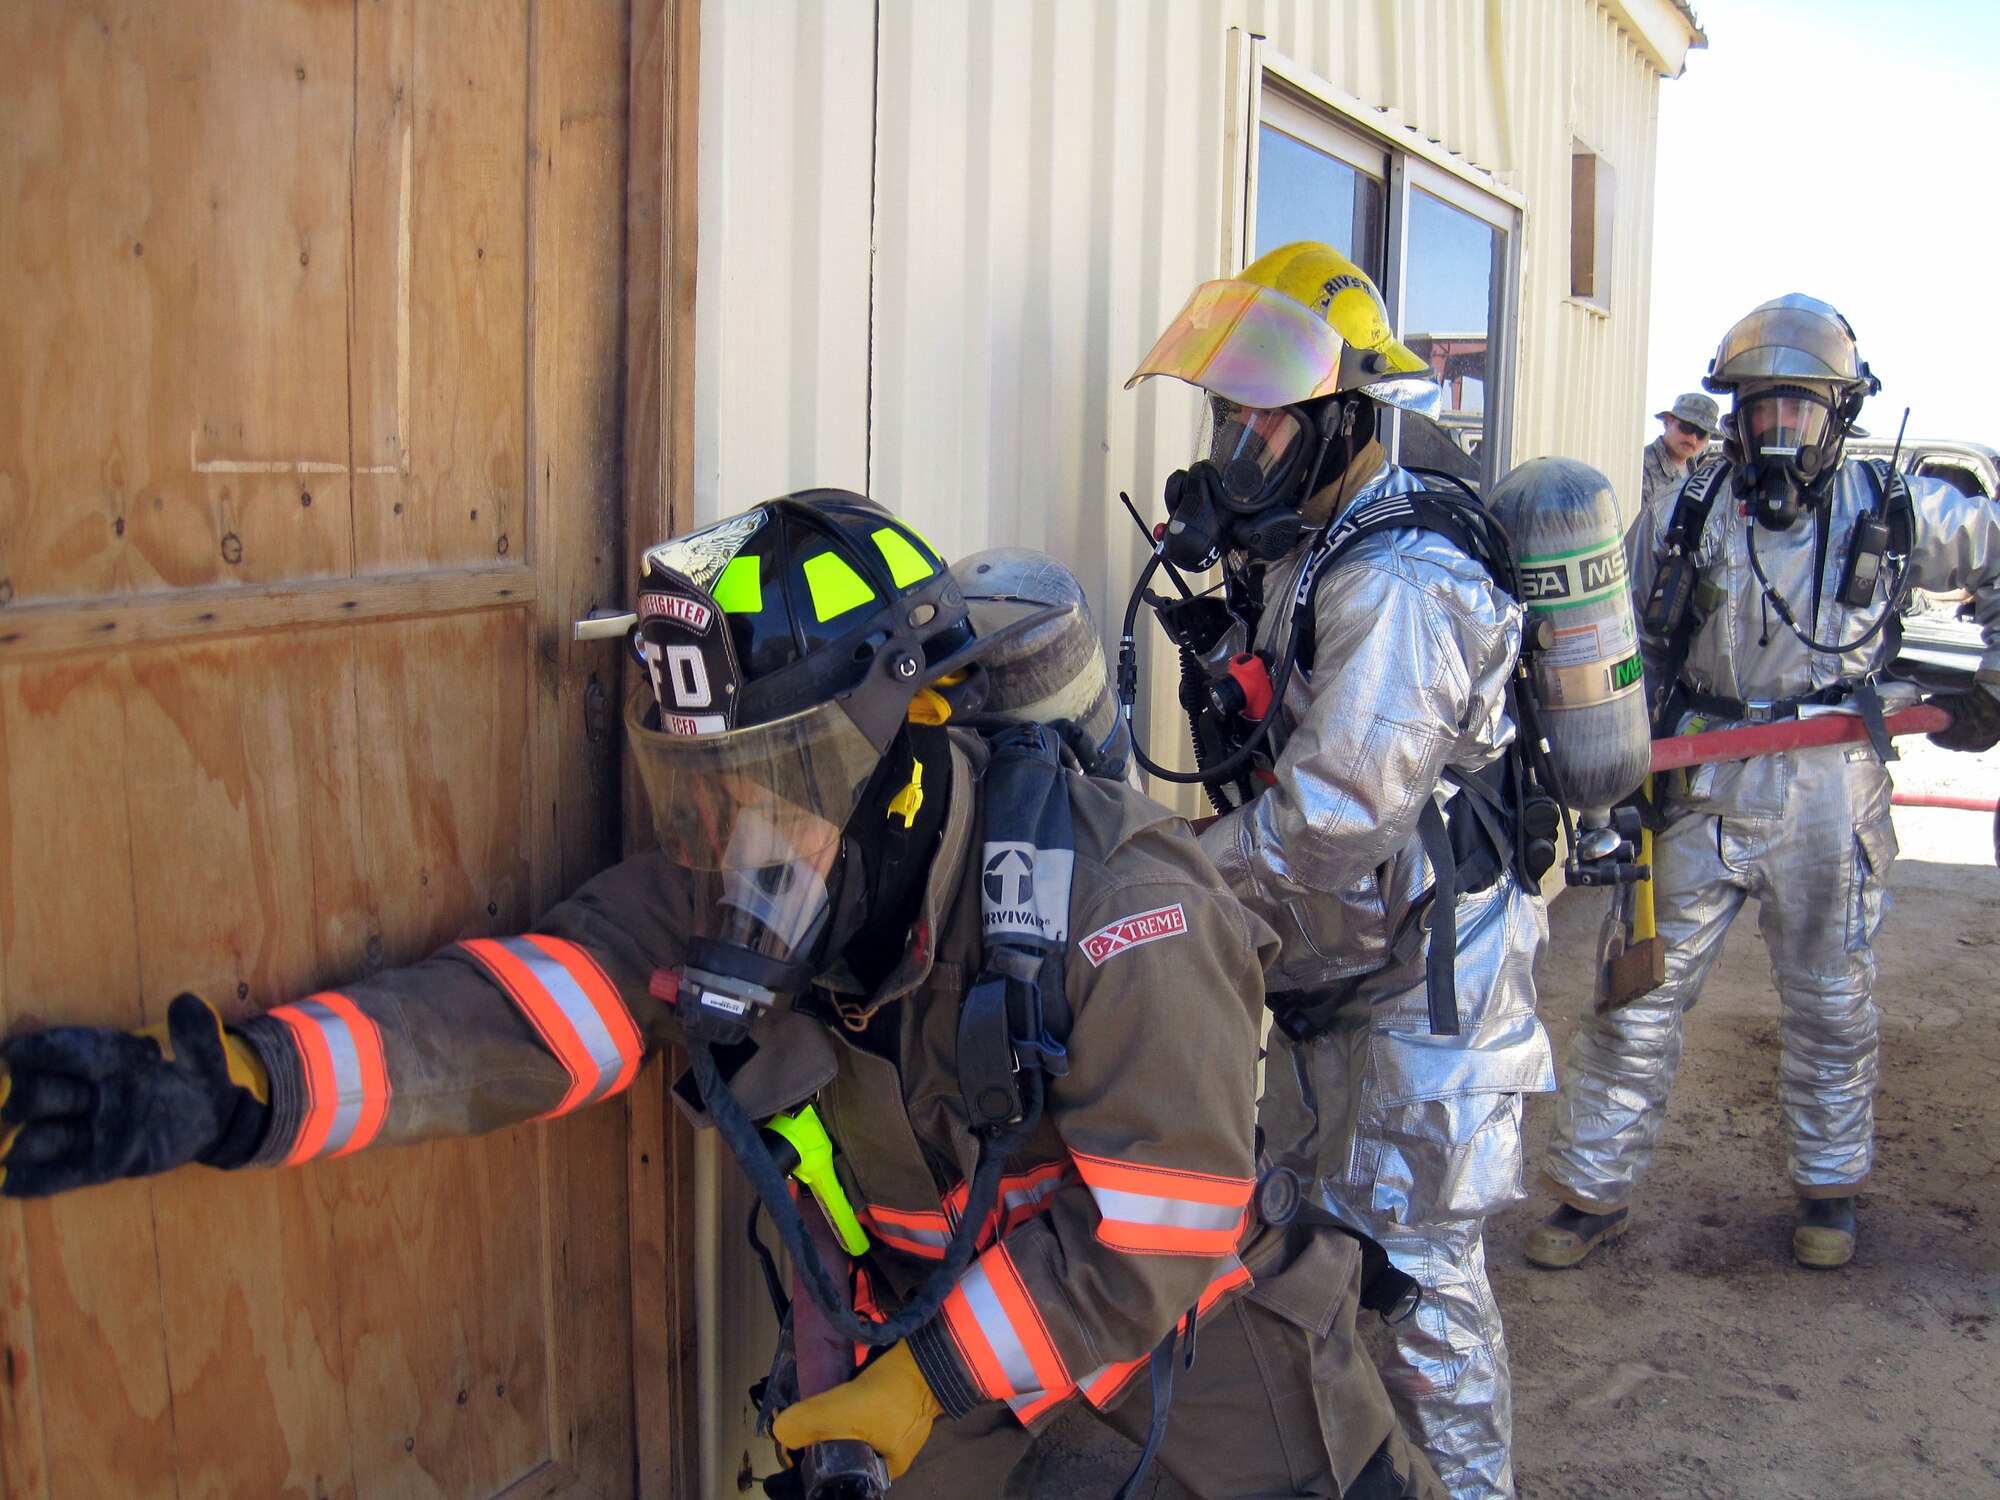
pixel 1579 578
pixel 1538 584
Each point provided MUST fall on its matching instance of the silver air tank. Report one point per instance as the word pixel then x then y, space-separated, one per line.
pixel 1563 520
pixel 1056 670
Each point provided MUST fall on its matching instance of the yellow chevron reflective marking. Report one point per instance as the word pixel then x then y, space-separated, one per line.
pixel 836 587
pixel 738 591
pixel 906 564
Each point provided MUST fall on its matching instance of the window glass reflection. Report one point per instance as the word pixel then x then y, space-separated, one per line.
pixel 1305 194
pixel 1448 313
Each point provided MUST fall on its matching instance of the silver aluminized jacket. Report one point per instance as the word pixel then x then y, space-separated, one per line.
pixel 1806 832
pixel 1412 1138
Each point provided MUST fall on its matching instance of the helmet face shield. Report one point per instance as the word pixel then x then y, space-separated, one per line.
pixel 756 816
pixel 1300 322
pixel 741 799
pixel 1247 344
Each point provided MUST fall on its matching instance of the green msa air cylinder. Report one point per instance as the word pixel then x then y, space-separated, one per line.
pixel 1563 520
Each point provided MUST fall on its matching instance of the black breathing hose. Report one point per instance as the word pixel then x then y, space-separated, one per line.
pixel 1839 648
pixel 828 1294
pixel 1238 760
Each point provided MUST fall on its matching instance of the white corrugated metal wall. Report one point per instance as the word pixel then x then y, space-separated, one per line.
pixel 1040 182
pixel 935 235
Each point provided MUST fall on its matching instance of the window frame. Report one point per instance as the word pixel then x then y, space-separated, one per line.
pixel 1276 91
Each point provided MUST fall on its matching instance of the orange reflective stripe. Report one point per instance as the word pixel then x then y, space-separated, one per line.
pixel 346 1075
pixel 1021 1197
pixel 1102 1385
pixel 925 1232
pixel 912 1232
pixel 1158 1211
pixel 574 1009
pixel 1000 1335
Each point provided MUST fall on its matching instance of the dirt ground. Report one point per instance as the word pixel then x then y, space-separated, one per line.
pixel 1693 1360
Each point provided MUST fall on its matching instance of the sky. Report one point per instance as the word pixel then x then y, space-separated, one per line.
pixel 1846 149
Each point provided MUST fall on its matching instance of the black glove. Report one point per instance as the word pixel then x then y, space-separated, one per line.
pixel 1975 717
pixel 80 1105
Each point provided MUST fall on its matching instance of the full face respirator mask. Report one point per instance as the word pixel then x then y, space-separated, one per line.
pixel 1790 441
pixel 1259 465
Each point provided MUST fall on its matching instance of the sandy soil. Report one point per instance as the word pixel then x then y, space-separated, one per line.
pixel 1693 1360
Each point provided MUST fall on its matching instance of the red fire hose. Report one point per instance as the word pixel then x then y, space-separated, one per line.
pixel 1790 734
pixel 1956 804
pixel 1797 734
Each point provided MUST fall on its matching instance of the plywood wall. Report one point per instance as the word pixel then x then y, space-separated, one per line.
pixel 313 321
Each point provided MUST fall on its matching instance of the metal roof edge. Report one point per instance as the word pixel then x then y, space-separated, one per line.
pixel 1666 30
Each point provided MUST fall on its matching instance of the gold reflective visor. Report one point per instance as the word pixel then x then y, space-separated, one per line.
pixel 1258 347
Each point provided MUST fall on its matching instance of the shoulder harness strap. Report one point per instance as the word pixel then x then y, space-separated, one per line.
pixel 1014 1022
pixel 1464 856
pixel 1669 609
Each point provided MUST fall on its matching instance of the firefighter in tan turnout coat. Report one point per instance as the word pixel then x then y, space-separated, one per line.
pixel 823 922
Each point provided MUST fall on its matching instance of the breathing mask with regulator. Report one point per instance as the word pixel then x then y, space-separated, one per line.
pixel 1789 438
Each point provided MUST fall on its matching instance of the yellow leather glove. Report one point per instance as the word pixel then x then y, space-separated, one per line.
pixel 888 1406
pixel 246 1068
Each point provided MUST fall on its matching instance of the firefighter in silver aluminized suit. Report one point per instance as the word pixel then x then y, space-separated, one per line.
pixel 1794 574
pixel 1411 1137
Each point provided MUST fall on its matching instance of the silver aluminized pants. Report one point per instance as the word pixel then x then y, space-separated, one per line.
pixel 1418 1140
pixel 1810 838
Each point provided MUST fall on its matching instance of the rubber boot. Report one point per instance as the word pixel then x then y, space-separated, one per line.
pixel 1566 1236
pixel 1823 1232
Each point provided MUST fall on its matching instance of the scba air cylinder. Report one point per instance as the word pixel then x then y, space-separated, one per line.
pixel 1563 519
pixel 1055 671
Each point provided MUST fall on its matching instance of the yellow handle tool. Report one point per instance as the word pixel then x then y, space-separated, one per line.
pixel 804 1133
pixel 1639 964
pixel 1644 923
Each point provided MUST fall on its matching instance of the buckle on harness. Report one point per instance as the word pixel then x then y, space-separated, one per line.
pixel 1002 1030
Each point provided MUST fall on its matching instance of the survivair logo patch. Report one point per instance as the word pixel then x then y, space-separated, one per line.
pixel 1025 890
pixel 1130 932
pixel 690 612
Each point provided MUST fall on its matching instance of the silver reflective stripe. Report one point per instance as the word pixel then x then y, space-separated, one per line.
pixel 937 1239
pixel 562 987
pixel 999 1330
pixel 349 1087
pixel 1027 1197
pixel 1172 1213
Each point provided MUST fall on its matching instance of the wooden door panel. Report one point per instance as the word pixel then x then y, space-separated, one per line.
pixel 310 445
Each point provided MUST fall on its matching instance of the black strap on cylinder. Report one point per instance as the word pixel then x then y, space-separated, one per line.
pixel 1441 961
